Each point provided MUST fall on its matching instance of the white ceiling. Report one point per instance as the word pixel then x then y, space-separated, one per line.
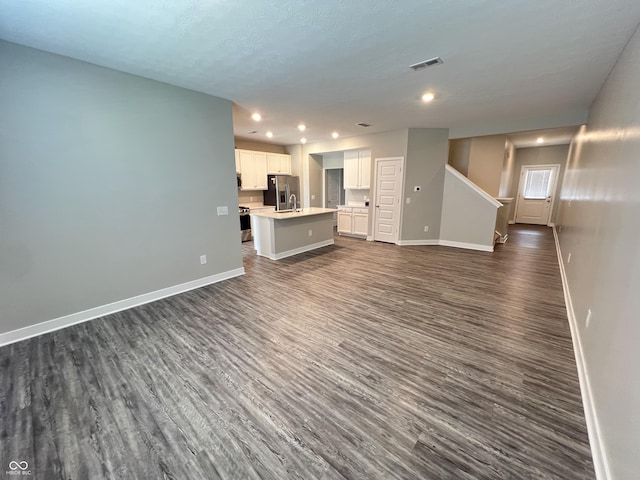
pixel 333 63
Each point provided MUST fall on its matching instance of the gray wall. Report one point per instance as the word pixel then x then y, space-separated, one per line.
pixel 108 186
pixel 459 151
pixel 486 160
pixel 554 154
pixel 506 177
pixel 600 219
pixel 427 153
pixel 385 144
pixel 466 216
pixel 333 160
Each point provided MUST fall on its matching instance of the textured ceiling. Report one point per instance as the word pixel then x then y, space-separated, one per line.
pixel 333 63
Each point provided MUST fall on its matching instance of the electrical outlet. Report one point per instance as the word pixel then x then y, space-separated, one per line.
pixel 203 259
pixel 313 197
pixel 426 228
pixel 569 258
pixel 223 210
pixel 588 320
pixel 569 204
pixel 417 188
pixel 310 232
pixel 408 200
pixel 559 228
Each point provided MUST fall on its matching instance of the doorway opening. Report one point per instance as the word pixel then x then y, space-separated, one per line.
pixel 334 193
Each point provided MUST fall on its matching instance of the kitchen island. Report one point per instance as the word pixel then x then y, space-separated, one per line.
pixel 282 234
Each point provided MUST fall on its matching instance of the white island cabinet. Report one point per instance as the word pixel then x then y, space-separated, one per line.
pixel 279 235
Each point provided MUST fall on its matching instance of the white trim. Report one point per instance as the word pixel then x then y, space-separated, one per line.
pixel 468 246
pixel 296 251
pixel 473 186
pixel 96 312
pixel 512 222
pixel 369 238
pixel 447 243
pixel 432 241
pixel 598 451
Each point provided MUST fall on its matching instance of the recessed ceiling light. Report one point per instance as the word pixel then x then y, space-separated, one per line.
pixel 269 134
pixel 335 134
pixel 302 127
pixel 256 116
pixel 427 97
pixel 540 140
pixel 303 140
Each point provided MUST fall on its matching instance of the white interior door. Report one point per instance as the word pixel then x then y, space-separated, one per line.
pixel 388 197
pixel 535 193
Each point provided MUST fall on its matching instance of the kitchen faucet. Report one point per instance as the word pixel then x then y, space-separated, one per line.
pixel 295 201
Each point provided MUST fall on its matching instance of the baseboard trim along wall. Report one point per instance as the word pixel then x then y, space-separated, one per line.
pixel 447 243
pixel 93 313
pixel 468 246
pixel 418 242
pixel 600 462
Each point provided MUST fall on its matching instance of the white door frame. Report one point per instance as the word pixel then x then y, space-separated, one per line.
pixel 553 189
pixel 375 196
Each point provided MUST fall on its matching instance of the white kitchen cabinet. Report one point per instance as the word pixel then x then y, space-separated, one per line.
pixel 353 221
pixel 357 169
pixel 253 168
pixel 344 221
pixel 360 221
pixel 279 163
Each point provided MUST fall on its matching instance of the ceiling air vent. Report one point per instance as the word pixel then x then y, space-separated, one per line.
pixel 362 124
pixel 426 63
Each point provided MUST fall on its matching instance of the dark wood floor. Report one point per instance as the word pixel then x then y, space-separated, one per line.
pixel 360 360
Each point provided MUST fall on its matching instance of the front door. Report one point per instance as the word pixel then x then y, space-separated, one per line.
pixel 388 197
pixel 535 193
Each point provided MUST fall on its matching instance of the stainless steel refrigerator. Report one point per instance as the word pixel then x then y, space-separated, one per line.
pixel 280 188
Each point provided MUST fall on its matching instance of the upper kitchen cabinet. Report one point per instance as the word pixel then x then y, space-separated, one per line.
pixel 279 163
pixel 357 169
pixel 253 168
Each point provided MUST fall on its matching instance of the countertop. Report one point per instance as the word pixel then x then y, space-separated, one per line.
pixel 303 212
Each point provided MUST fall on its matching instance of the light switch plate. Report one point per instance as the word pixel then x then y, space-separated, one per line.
pixel 223 210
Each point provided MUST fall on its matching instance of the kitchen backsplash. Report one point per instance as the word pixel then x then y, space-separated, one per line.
pixel 249 197
pixel 356 196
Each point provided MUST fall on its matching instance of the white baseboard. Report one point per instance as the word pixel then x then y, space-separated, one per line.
pixel 468 246
pixel 419 242
pixel 447 243
pixel 296 251
pixel 93 313
pixel 511 222
pixel 369 238
pixel 598 451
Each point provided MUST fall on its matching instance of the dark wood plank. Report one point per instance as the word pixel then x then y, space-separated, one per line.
pixel 359 360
